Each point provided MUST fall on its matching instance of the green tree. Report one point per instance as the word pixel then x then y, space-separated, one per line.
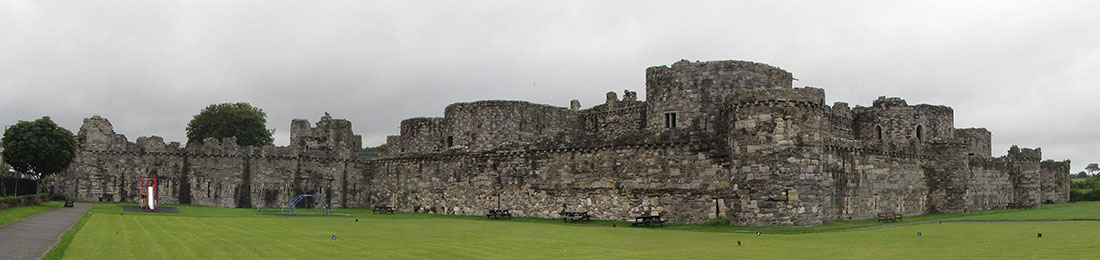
pixel 1092 168
pixel 374 152
pixel 1082 174
pixel 241 120
pixel 39 147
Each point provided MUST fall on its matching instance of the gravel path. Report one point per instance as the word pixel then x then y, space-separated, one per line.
pixel 32 237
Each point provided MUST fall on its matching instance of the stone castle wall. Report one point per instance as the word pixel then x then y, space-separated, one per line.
pixel 979 141
pixel 613 182
pixel 1055 180
pixel 892 120
pixel 218 172
pixel 991 186
pixel 483 125
pixel 689 89
pixel 615 118
pixel 868 181
pixel 746 145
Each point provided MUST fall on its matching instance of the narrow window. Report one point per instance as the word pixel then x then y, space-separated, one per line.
pixel 670 120
pixel 920 137
pixel 879 130
pixel 450 141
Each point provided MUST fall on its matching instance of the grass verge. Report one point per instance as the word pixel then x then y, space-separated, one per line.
pixel 17 213
pixel 1060 211
pixel 58 250
pixel 216 233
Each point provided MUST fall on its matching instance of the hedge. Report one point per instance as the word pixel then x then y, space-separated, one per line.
pixel 17 201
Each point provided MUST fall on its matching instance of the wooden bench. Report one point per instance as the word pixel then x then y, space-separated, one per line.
pixel 577 216
pixel 498 214
pixel 383 209
pixel 888 216
pixel 646 220
pixel 1013 205
pixel 68 203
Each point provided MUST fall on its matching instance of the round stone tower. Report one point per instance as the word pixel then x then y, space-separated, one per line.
pixel 680 95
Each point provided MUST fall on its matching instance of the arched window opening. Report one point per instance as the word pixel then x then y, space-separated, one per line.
pixel 920 133
pixel 878 130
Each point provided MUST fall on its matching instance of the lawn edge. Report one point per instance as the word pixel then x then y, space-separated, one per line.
pixel 58 250
pixel 36 213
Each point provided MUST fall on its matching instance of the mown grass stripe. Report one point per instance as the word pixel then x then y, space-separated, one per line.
pixel 211 233
pixel 58 250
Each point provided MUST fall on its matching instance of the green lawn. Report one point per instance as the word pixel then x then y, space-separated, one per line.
pixel 215 233
pixel 17 213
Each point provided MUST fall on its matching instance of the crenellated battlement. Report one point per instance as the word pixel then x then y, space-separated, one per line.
pixel 330 135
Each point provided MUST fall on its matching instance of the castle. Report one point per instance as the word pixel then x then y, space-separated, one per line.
pixel 718 138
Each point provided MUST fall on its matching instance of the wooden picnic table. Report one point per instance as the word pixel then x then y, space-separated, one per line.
pixel 575 216
pixel 646 220
pixel 383 209
pixel 888 216
pixel 498 213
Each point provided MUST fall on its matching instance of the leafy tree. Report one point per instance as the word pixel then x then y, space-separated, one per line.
pixel 374 152
pixel 241 120
pixel 39 147
pixel 1092 168
pixel 1082 174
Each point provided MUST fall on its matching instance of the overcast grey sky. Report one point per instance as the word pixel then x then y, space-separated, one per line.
pixel 1027 71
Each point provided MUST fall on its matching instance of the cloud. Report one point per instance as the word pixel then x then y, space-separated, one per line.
pixel 1022 69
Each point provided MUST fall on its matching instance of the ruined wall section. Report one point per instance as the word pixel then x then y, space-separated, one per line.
pixel 776 147
pixel 893 120
pixel 115 176
pixel 678 181
pixel 690 89
pixel 216 173
pixel 329 137
pixel 949 176
pixel 98 134
pixel 487 125
pixel 421 135
pixel 1023 170
pixel 840 122
pixel 868 180
pixel 275 177
pixel 615 118
pixel 1055 180
pixel 990 185
pixel 978 141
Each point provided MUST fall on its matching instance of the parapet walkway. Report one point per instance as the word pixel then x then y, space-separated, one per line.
pixel 32 237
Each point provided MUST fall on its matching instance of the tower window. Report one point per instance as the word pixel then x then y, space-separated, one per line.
pixel 450 141
pixel 920 135
pixel 670 120
pixel 878 129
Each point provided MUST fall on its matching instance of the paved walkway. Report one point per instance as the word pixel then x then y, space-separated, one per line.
pixel 32 237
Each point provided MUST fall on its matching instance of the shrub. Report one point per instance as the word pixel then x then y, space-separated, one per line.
pixel 719 221
pixel 1084 195
pixel 1090 183
pixel 17 201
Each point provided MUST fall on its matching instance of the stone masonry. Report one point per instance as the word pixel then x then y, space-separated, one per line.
pixel 718 138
